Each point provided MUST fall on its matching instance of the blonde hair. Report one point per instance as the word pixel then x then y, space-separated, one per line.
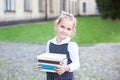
pixel 66 15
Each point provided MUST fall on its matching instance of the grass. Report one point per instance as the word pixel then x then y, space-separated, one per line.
pixel 37 32
pixel 90 30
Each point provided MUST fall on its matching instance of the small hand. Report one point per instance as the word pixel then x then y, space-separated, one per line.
pixel 61 69
pixel 38 66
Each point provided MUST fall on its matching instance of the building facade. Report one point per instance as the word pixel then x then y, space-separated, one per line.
pixel 88 7
pixel 25 10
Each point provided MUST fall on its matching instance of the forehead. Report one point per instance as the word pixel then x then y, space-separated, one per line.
pixel 67 23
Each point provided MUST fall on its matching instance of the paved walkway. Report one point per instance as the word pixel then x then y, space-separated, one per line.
pixel 98 62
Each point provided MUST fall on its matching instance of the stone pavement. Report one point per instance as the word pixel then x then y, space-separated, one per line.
pixel 98 62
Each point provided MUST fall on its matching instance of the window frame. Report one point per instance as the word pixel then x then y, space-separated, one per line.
pixel 41 6
pixel 84 7
pixel 9 5
pixel 51 6
pixel 27 6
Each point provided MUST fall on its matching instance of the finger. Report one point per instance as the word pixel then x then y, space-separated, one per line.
pixel 38 63
pixel 58 72
pixel 39 69
pixel 58 67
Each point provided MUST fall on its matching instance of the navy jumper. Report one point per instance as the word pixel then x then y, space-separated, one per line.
pixel 60 49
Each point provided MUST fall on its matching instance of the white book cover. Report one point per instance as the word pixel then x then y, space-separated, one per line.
pixel 51 56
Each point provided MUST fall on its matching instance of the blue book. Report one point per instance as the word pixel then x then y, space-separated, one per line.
pixel 47 67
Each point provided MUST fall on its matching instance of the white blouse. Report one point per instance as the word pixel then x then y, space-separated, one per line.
pixel 73 52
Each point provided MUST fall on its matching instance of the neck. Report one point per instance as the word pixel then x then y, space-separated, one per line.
pixel 58 40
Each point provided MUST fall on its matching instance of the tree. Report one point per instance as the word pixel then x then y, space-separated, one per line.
pixel 109 9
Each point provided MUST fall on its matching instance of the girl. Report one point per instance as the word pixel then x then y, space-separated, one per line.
pixel 62 44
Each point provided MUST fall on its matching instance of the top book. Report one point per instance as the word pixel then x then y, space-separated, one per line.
pixel 51 57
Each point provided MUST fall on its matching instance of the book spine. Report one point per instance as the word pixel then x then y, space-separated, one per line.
pixel 48 61
pixel 47 67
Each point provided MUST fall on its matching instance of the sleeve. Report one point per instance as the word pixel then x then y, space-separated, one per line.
pixel 47 47
pixel 74 55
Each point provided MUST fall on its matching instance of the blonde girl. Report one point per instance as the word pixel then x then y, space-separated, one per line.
pixel 65 28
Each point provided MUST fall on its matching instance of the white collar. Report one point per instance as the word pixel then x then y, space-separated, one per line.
pixel 66 40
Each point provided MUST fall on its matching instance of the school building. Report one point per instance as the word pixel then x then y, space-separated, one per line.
pixel 21 11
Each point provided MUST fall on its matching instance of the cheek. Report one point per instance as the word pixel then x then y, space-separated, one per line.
pixel 59 28
pixel 71 32
pixel 56 28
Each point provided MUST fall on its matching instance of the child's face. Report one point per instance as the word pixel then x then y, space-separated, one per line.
pixel 65 28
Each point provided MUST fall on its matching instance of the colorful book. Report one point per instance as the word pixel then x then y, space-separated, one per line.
pixel 49 61
pixel 46 67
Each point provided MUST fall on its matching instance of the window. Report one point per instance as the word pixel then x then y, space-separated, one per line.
pixel 27 5
pixel 96 9
pixel 42 5
pixel 63 5
pixel 9 5
pixel 51 5
pixel 84 7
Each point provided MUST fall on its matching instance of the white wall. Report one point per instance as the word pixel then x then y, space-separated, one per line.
pixel 1 10
pixel 90 7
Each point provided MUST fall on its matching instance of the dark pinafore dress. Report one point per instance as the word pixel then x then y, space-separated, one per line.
pixel 61 49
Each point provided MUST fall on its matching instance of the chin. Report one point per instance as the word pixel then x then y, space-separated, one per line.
pixel 63 37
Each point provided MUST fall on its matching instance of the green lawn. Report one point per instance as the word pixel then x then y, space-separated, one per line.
pixel 90 30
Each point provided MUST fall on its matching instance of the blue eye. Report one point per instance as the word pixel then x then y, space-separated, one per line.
pixel 62 27
pixel 68 29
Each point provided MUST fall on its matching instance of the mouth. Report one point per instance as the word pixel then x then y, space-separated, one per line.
pixel 63 34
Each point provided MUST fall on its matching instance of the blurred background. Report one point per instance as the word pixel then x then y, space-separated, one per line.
pixel 20 11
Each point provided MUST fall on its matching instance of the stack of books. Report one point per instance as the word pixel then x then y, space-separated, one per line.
pixel 49 61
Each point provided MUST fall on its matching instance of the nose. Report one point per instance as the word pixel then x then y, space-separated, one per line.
pixel 64 30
